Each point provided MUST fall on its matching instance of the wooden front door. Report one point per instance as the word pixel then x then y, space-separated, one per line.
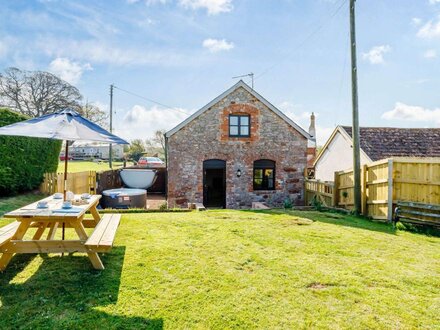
pixel 214 183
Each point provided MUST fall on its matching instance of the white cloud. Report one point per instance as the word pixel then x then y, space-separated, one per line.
pixel 406 112
pixel 68 70
pixel 4 49
pixel 430 53
pixel 416 21
pixel 217 45
pixel 430 30
pixel 8 45
pixel 212 6
pixel 375 55
pixel 155 2
pixel 95 51
pixel 141 122
pixel 433 2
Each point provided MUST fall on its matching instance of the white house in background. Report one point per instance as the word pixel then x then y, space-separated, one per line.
pixel 376 143
pixel 81 150
pixel 336 155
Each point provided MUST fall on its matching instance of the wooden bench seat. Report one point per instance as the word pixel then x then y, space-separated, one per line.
pixel 101 240
pixel 417 213
pixel 7 232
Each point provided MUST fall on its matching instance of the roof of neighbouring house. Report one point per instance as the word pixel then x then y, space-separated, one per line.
pixel 239 84
pixel 386 142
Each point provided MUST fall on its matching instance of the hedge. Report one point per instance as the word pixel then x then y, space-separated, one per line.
pixel 23 160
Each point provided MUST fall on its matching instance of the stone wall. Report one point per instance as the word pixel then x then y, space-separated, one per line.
pixel 206 137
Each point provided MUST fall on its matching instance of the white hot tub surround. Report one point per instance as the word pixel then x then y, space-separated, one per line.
pixel 138 178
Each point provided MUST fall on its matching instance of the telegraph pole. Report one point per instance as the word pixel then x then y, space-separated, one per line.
pixel 355 109
pixel 110 155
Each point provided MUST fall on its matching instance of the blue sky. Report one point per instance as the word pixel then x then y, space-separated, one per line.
pixel 183 53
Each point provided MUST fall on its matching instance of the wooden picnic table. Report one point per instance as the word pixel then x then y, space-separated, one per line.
pixel 12 236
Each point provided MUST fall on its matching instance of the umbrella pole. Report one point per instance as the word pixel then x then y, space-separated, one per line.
pixel 66 157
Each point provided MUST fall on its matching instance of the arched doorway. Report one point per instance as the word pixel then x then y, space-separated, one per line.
pixel 214 183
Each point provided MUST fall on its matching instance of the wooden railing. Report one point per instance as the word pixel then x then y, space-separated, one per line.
pixel 323 192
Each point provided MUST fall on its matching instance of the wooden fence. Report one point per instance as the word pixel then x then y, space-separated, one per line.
pixel 80 182
pixel 322 191
pixel 403 179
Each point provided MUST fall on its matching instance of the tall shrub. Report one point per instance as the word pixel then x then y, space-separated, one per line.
pixel 23 160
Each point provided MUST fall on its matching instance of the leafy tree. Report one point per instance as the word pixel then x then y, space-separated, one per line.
pixel 136 149
pixel 36 93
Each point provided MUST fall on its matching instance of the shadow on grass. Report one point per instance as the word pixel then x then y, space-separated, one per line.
pixel 335 219
pixel 65 292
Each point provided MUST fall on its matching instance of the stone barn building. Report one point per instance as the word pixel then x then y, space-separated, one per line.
pixel 236 150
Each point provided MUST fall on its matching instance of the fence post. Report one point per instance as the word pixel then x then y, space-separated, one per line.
pixel 364 172
pixel 390 190
pixel 336 190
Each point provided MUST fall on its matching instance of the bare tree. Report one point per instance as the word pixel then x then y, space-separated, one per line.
pixel 95 114
pixel 155 146
pixel 159 139
pixel 36 93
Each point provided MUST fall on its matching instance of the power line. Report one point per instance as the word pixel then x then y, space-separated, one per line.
pixel 152 101
pixel 343 80
pixel 302 43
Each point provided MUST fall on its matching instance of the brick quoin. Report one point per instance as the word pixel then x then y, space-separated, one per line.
pixel 207 137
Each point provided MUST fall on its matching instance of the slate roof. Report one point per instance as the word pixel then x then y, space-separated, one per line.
pixel 385 142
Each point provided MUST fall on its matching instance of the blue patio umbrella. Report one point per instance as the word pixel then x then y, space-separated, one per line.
pixel 66 125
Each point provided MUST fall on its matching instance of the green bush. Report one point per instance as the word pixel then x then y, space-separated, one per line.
pixel 23 160
pixel 288 203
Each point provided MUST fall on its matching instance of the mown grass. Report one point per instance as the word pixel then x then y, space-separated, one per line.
pixel 83 165
pixel 233 269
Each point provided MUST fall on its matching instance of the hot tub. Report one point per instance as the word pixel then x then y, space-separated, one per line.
pixel 124 198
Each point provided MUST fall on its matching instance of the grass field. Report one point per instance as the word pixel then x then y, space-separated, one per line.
pixel 81 165
pixel 233 269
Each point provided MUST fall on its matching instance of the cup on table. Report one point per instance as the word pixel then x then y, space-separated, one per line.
pixel 67 205
pixel 57 195
pixel 42 204
pixel 85 196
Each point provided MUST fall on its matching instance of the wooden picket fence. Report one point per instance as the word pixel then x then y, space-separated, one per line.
pixel 80 182
pixel 322 191
pixel 383 184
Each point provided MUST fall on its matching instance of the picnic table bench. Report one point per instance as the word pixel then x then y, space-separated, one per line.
pixel 417 213
pixel 12 236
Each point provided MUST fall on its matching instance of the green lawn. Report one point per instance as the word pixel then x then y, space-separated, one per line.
pixel 233 269
pixel 83 165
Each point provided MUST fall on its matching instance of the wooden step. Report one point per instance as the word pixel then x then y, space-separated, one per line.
pixel 200 207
